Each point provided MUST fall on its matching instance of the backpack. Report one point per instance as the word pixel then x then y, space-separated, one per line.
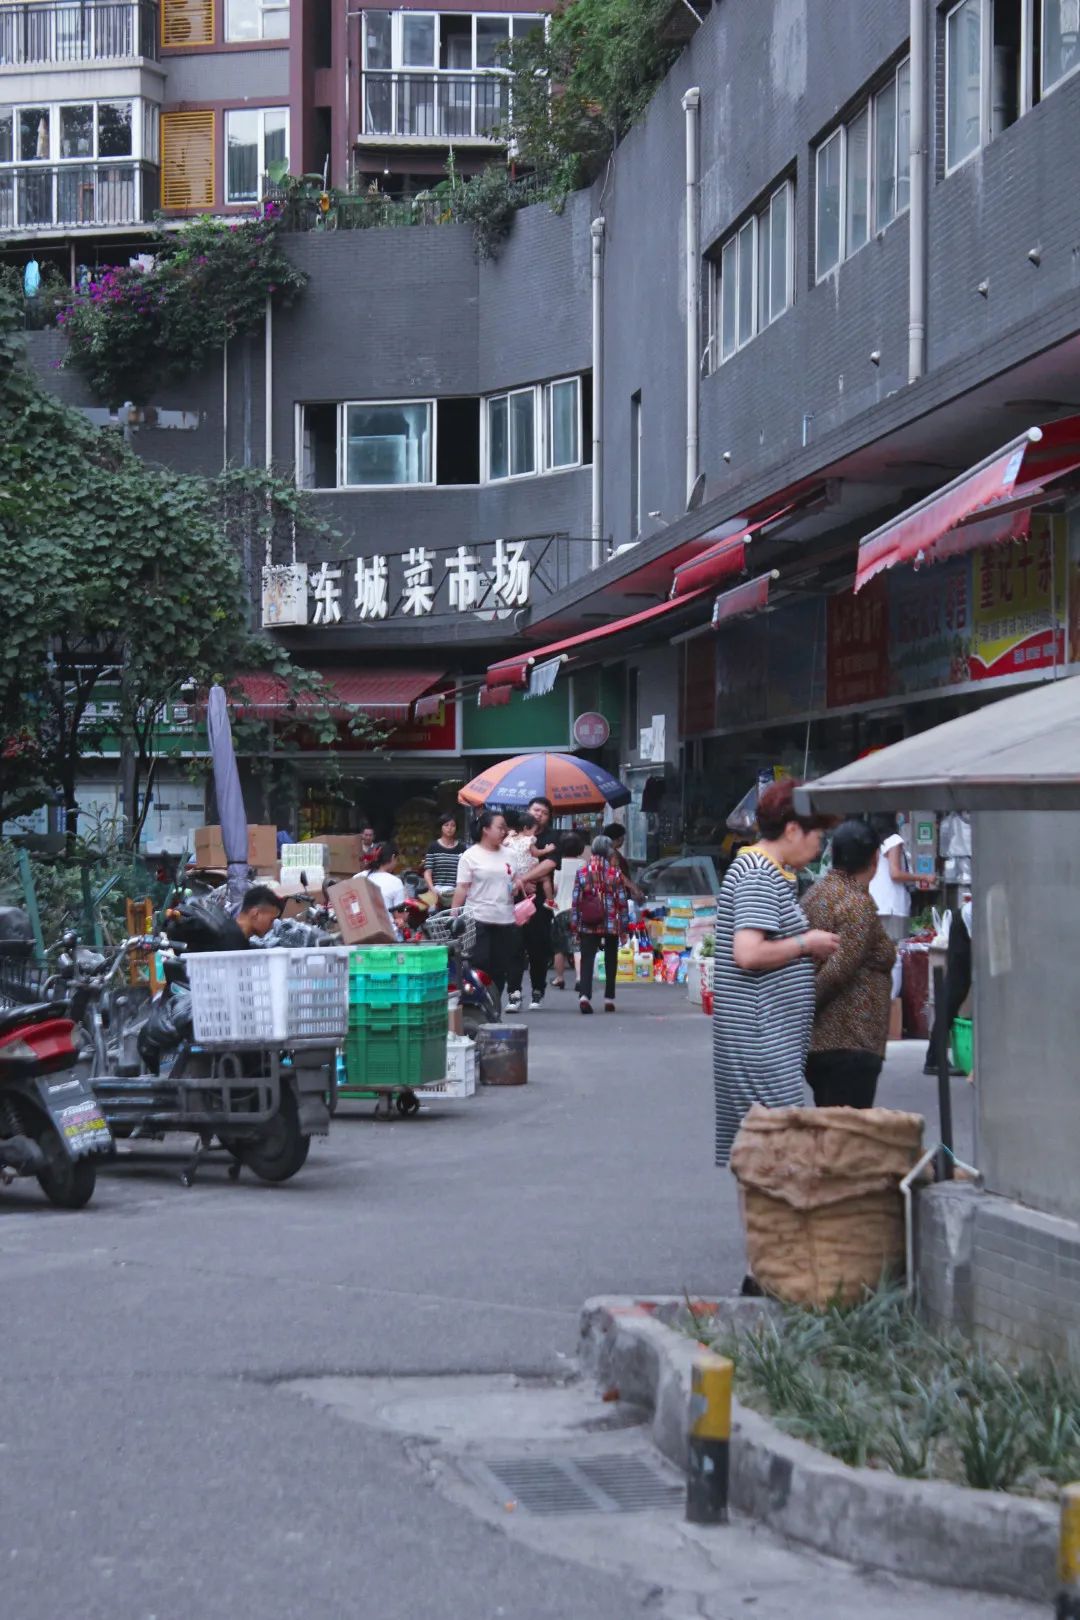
pixel 591 908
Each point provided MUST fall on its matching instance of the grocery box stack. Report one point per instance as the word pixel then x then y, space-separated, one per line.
pixel 311 859
pixel 397 1037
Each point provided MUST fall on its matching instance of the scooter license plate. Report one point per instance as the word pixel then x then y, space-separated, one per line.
pixel 77 1117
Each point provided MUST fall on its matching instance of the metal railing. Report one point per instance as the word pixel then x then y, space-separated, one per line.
pixel 44 196
pixel 435 106
pixel 41 31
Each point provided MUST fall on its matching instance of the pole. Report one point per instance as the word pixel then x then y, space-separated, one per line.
pixel 917 242
pixel 691 107
pixel 597 391
pixel 268 385
pixel 941 1061
pixel 1068 1599
pixel 709 1440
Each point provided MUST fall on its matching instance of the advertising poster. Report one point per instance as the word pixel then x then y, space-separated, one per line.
pixel 930 626
pixel 857 665
pixel 1019 593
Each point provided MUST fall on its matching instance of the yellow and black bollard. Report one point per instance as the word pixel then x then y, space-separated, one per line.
pixel 710 1440
pixel 1068 1601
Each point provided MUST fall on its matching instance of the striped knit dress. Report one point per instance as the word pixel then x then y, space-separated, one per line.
pixel 761 1021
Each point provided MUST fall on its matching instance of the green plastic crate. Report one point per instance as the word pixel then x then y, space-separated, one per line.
pixel 428 1018
pixel 395 1059
pixel 393 975
pixel 963 1044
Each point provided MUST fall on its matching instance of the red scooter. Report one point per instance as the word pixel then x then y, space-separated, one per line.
pixel 50 1124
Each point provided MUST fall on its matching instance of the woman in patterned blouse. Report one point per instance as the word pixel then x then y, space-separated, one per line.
pixel 853 988
pixel 600 917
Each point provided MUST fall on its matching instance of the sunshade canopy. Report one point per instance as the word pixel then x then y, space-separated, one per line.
pixel 387 693
pixel 1019 753
pixel 515 671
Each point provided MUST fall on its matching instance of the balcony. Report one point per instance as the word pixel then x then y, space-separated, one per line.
pixel 41 32
pixel 434 107
pixel 40 197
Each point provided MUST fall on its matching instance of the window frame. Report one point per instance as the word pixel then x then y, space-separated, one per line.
pixel 985 15
pixel 550 464
pixel 759 217
pixel 397 39
pixel 343 409
pixel 870 108
pixel 261 7
pixel 54 111
pixel 260 165
pixel 510 476
pixel 1048 87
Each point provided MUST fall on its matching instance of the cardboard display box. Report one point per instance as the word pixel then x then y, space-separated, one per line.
pixel 344 855
pixel 361 913
pixel 262 848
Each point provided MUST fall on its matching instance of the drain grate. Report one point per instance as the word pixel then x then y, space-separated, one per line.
pixel 610 1484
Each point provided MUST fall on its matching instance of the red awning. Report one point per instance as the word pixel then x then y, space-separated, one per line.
pixel 515 671
pixel 722 561
pixel 749 597
pixel 989 503
pixel 388 694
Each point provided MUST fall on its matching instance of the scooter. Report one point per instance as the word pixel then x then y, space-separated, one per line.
pixel 51 1126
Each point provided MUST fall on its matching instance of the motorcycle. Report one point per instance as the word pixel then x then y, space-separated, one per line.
pixel 480 1001
pixel 51 1126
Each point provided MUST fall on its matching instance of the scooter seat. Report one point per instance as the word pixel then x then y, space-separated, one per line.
pixel 12 1018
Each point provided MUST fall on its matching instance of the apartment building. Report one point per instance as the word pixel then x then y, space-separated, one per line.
pixel 114 110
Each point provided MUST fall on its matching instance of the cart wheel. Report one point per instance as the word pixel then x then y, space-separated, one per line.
pixel 407 1104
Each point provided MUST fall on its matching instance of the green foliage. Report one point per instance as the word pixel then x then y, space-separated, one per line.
pixel 131 330
pixel 578 88
pixel 873 1385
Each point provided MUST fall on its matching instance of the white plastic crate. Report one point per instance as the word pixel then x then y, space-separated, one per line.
pixel 448 1090
pixel 260 998
pixel 315 875
pixel 460 1071
pixel 305 855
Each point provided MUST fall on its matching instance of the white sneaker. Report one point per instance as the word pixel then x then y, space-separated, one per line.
pixel 513 1001
pixel 535 1004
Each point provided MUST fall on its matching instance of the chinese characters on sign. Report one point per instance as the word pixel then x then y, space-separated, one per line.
pixel 858 645
pixel 368 589
pixel 1019 611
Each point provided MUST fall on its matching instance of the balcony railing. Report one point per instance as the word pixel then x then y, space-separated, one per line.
pixel 435 106
pixel 67 196
pixel 42 31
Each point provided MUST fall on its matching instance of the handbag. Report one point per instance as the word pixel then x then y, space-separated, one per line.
pixel 524 910
pixel 591 909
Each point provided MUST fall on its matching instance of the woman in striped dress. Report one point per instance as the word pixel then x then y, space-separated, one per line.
pixel 763 971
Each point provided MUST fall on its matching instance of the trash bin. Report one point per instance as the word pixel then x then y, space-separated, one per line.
pixel 821 1202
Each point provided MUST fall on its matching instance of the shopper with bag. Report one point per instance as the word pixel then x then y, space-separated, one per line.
pixel 485 888
pixel 600 917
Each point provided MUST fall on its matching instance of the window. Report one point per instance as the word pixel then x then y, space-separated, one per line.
pixel 384 444
pixel 388 443
pixel 752 281
pixel 512 422
pixel 75 131
pixel 862 173
pixel 963 81
pixel 187 159
pixel 563 424
pixel 255 137
pixel 1060 40
pixel 256 19
pixel 450 42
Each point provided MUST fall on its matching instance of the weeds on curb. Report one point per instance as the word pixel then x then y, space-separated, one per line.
pixel 873 1386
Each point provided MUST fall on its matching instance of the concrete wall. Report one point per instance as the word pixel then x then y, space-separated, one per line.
pixel 198 77
pixel 1026 943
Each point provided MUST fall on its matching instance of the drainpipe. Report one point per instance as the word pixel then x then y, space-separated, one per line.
pixel 917 268
pixel 691 105
pixel 268 383
pixel 597 391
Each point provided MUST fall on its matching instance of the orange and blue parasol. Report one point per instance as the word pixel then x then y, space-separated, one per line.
pixel 569 782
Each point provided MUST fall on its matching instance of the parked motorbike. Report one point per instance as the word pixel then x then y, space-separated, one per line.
pixel 51 1126
pixel 480 1001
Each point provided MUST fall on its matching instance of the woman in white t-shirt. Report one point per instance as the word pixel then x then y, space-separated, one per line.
pixel 485 888
pixel 382 872
pixel 891 885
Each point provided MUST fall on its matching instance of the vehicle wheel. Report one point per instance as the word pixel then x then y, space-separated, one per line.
pixel 472 1019
pixel 407 1104
pixel 280 1149
pixel 67 1183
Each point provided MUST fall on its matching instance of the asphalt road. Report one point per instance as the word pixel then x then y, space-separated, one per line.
pixel 153 1465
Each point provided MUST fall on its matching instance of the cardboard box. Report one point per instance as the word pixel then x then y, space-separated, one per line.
pixel 361 912
pixel 344 855
pixel 456 1020
pixel 262 848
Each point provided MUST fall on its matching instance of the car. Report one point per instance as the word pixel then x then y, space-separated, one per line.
pixel 678 875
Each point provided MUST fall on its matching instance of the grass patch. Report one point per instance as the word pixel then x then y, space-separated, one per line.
pixel 874 1387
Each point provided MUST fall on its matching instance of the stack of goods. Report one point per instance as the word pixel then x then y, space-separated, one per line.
pixel 703 923
pixel 414 828
pixel 311 859
pixel 397 1018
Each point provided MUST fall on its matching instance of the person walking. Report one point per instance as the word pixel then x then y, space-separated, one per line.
pixel 519 853
pixel 893 880
pixel 441 860
pixel 763 969
pixel 563 938
pixel 600 917
pixel 853 987
pixel 617 833
pixel 485 888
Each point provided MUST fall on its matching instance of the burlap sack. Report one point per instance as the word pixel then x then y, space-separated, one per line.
pixel 820 1194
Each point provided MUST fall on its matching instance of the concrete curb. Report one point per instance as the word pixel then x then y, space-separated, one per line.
pixel 927 1530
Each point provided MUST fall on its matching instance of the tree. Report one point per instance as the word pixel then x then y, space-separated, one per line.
pixel 578 88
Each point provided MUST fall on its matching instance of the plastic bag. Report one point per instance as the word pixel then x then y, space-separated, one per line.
pixel 202 924
pixel 169 1022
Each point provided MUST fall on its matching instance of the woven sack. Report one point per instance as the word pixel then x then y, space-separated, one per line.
pixel 820 1194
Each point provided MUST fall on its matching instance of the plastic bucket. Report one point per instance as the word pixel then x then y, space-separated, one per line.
pixel 963 1044
pixel 502 1054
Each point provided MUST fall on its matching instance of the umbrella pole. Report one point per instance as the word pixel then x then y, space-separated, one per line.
pixel 941 1059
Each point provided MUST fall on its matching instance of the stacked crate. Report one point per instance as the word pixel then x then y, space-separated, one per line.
pixel 397 1018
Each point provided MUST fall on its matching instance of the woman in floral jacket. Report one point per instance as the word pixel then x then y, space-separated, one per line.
pixel 600 916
